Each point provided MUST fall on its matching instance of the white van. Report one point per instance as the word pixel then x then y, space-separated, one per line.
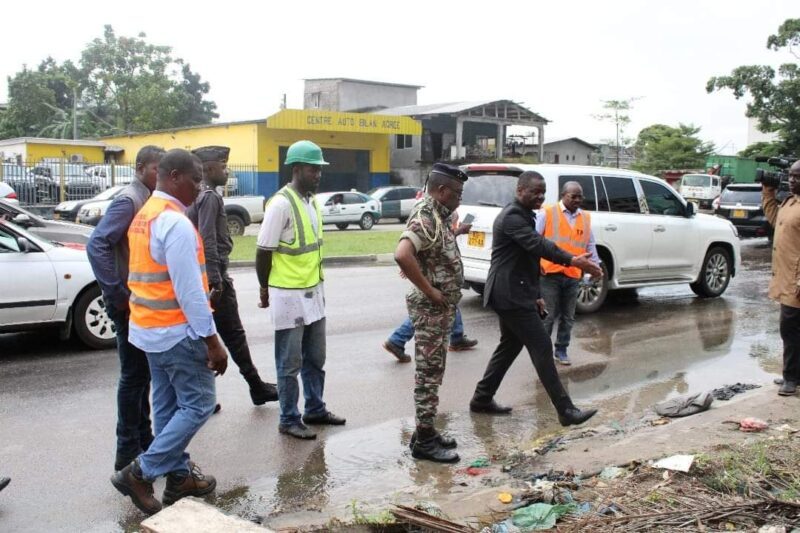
pixel 646 234
pixel 701 188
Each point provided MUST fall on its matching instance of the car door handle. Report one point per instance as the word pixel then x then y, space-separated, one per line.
pixel 659 229
pixel 611 227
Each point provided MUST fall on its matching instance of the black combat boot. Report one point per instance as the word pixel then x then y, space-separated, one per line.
pixel 427 447
pixel 444 441
pixel 261 392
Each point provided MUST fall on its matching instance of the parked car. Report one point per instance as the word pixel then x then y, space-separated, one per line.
pixel 52 230
pixel 8 193
pixel 78 185
pixel 741 204
pixel 700 188
pixel 349 207
pixel 69 210
pixel 43 283
pixel 396 201
pixel 646 234
pixel 101 174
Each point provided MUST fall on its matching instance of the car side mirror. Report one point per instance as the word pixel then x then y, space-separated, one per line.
pixel 689 209
pixel 24 245
pixel 22 220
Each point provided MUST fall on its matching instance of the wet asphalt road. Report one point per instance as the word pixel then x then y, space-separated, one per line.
pixel 57 400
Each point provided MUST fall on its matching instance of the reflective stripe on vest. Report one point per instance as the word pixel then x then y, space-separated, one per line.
pixel 571 239
pixel 153 301
pixel 298 265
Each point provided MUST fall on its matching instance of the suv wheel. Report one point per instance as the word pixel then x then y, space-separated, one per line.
pixel 592 295
pixel 93 326
pixel 714 275
pixel 342 225
pixel 366 221
pixel 235 225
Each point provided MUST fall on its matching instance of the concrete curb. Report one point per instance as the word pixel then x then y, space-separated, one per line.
pixel 344 260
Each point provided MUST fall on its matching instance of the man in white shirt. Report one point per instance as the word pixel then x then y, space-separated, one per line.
pixel 289 269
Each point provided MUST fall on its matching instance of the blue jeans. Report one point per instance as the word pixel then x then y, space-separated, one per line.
pixel 134 430
pixel 183 399
pixel 300 350
pixel 405 332
pixel 560 294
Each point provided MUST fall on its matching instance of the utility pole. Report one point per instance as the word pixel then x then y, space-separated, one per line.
pixel 75 113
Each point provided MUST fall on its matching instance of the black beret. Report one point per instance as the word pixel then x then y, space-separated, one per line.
pixel 450 171
pixel 212 153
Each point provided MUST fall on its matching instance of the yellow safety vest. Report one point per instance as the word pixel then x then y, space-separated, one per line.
pixel 298 265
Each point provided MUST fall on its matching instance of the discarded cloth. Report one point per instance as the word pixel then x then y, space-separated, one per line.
pixel 752 424
pixel 729 391
pixel 540 515
pixel 685 405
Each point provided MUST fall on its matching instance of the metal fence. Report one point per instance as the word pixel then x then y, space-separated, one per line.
pixel 50 182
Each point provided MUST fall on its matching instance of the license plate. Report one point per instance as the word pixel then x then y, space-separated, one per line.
pixel 476 239
pixel 739 213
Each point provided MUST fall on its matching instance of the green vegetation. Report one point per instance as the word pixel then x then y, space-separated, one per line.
pixel 337 243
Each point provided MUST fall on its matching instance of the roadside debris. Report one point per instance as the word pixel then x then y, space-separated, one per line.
pixel 505 497
pixel 612 472
pixel 729 391
pixel 685 405
pixel 416 517
pixel 752 425
pixel 540 516
pixel 679 463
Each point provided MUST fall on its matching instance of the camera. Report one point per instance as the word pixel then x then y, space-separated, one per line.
pixel 779 179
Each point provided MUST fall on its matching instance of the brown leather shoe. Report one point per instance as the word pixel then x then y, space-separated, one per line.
pixel 397 351
pixel 129 481
pixel 195 483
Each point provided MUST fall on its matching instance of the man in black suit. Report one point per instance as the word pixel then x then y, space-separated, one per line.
pixel 512 290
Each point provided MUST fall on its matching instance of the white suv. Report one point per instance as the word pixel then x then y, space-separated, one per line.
pixel 646 234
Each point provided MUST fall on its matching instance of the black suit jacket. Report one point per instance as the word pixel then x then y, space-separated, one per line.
pixel 513 281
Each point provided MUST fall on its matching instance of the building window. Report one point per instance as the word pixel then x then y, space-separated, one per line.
pixel 315 98
pixel 403 141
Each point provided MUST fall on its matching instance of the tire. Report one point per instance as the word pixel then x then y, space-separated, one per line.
pixel 235 225
pixel 342 225
pixel 592 296
pixel 715 274
pixel 92 324
pixel 477 287
pixel 366 221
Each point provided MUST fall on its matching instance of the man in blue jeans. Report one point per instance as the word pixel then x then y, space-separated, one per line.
pixel 108 254
pixel 171 321
pixel 289 270
pixel 396 342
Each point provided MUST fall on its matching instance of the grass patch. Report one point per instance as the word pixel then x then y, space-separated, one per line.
pixel 337 243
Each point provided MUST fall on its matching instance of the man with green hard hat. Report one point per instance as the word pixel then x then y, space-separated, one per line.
pixel 289 269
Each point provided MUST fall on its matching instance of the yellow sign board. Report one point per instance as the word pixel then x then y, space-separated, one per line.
pixel 318 120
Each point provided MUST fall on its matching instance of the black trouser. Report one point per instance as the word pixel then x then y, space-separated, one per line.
pixel 518 329
pixel 790 333
pixel 229 327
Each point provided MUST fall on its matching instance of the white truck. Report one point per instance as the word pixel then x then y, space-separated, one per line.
pixel 241 211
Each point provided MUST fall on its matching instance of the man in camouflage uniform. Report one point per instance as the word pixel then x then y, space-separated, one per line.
pixel 428 255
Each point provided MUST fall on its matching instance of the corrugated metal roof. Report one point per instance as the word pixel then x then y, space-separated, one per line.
pixel 368 82
pixel 454 108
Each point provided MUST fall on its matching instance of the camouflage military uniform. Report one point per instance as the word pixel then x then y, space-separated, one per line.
pixel 430 231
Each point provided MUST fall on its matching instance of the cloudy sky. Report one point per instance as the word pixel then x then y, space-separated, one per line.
pixel 560 60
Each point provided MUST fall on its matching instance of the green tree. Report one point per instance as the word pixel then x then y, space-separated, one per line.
pixel 774 95
pixel 617 113
pixel 121 84
pixel 767 149
pixel 660 147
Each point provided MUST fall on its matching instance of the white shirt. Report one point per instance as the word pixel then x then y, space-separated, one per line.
pixel 290 308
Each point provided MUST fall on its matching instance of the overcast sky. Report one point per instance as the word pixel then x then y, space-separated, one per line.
pixel 560 61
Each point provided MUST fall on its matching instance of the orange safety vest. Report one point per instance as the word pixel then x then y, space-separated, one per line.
pixel 153 301
pixel 571 239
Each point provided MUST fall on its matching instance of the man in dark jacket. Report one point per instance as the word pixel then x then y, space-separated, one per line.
pixel 207 213
pixel 108 254
pixel 512 290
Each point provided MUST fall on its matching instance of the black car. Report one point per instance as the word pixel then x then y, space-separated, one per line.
pixel 741 204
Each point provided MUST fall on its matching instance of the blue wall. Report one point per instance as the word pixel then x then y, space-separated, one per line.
pixel 266 183
pixel 379 179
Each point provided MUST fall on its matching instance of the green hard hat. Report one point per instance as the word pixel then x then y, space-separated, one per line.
pixel 305 152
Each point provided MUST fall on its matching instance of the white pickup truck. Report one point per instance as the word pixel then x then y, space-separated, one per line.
pixel 241 211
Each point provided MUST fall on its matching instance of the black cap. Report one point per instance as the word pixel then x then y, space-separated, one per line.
pixel 212 153
pixel 450 171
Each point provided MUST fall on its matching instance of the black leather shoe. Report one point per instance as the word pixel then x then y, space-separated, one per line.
pixel 397 351
pixel 574 416
pixel 465 343
pixel 789 388
pixel 444 441
pixel 327 418
pixel 262 393
pixel 430 450
pixel 491 407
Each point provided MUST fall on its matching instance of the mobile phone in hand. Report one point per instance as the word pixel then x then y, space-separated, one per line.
pixel 468 218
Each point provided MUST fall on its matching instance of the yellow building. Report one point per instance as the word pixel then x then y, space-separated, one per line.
pixel 357 146
pixel 32 150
